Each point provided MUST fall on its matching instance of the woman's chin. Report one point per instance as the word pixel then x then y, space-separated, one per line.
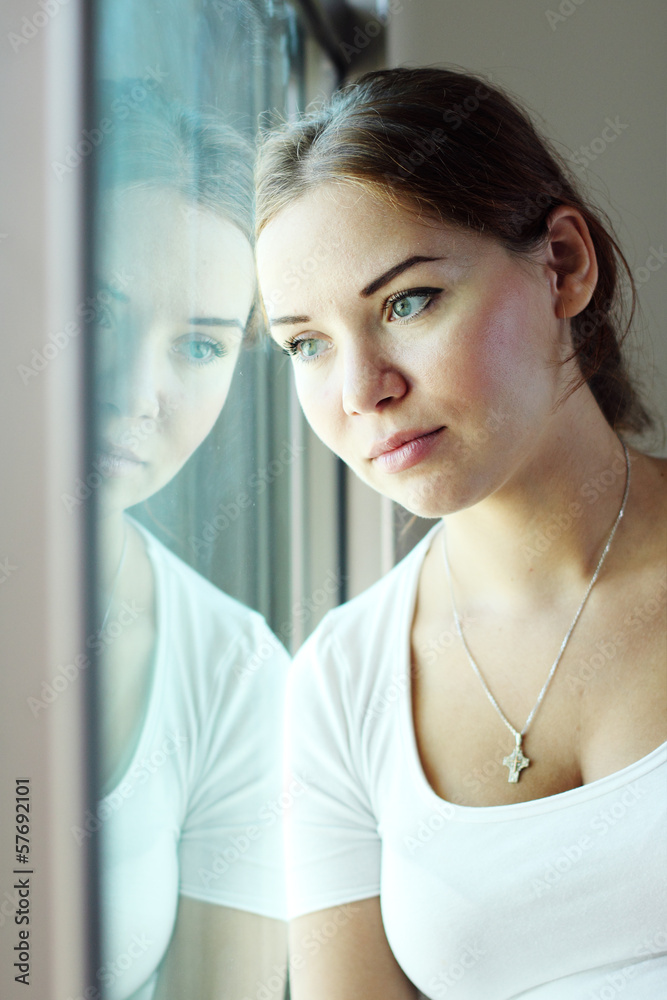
pixel 116 497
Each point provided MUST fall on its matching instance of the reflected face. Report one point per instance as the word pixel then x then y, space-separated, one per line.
pixel 423 355
pixel 175 291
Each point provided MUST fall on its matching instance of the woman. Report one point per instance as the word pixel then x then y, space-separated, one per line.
pixel 483 730
pixel 191 872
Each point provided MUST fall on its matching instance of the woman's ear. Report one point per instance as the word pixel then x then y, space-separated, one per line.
pixel 571 261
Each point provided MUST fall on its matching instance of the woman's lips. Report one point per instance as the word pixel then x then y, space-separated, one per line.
pixel 112 462
pixel 407 451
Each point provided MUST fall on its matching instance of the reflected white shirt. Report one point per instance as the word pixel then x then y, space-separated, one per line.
pixel 198 811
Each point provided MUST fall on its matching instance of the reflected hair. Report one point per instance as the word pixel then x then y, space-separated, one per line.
pixel 451 147
pixel 155 141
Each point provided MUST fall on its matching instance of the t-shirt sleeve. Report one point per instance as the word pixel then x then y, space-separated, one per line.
pixel 333 848
pixel 231 845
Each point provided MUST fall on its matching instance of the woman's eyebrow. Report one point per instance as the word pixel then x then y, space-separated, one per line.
pixel 393 272
pixel 214 321
pixel 288 320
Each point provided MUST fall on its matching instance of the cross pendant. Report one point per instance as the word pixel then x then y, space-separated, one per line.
pixel 516 761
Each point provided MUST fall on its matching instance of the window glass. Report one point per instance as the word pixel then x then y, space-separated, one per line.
pixel 195 465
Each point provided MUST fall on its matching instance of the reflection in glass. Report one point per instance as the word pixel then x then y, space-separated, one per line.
pixel 190 679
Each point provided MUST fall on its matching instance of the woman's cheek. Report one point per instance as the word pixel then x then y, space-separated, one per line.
pixel 195 416
pixel 321 402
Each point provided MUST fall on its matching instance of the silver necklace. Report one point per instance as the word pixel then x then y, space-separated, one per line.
pixel 115 580
pixel 516 761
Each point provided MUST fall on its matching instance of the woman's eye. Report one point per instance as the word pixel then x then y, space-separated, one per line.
pixel 306 348
pixel 407 305
pixel 200 351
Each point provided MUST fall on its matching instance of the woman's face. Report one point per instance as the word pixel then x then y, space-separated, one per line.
pixel 423 355
pixel 176 287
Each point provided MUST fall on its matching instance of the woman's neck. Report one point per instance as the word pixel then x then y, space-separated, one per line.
pixel 545 529
pixel 113 539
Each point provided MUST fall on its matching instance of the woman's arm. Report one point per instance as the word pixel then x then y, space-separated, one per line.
pixel 218 953
pixel 342 953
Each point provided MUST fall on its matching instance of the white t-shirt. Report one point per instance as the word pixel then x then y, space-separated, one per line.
pixel 559 898
pixel 198 811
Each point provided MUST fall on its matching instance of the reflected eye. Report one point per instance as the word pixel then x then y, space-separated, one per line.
pixel 406 305
pixel 200 350
pixel 306 348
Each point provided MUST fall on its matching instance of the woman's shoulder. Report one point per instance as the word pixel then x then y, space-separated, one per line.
pixel 362 645
pixel 177 573
pixel 199 616
pixel 386 602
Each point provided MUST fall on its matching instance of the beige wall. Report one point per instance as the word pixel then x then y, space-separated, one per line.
pixel 603 59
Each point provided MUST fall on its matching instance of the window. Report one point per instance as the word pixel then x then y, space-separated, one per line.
pixel 197 456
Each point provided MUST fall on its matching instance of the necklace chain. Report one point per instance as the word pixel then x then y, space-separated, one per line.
pixel 516 761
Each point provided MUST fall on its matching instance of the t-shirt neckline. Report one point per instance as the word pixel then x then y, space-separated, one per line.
pixel 513 810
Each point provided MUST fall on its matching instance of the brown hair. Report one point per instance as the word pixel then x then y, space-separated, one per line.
pixel 449 145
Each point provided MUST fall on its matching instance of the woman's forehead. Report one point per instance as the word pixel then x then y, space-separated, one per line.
pixel 352 226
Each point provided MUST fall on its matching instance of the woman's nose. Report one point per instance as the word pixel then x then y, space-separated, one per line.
pixel 370 381
pixel 133 387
